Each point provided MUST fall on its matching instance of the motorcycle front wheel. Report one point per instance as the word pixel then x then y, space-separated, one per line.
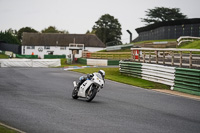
pixel 75 93
pixel 90 94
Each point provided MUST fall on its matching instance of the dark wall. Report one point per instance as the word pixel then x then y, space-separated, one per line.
pixel 169 30
pixel 15 48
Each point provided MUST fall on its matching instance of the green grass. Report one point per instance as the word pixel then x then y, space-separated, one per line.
pixel 191 45
pixel 121 50
pixel 3 56
pixel 138 43
pixel 115 75
pixel 4 129
pixel 150 41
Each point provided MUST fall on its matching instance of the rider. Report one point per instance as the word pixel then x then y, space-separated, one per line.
pixel 89 77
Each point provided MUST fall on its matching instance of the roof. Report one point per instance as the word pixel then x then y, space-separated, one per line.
pixel 168 23
pixel 59 39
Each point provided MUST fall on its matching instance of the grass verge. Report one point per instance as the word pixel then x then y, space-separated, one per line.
pixel 3 56
pixel 150 41
pixel 191 45
pixel 4 129
pixel 115 75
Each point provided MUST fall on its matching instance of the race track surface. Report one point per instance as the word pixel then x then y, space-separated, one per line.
pixel 38 100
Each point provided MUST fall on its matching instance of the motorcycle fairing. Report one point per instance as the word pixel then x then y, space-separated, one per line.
pixel 83 88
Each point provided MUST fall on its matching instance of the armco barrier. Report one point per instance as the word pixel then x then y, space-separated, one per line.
pixel 131 68
pixel 97 62
pixel 180 79
pixel 187 80
pixel 158 73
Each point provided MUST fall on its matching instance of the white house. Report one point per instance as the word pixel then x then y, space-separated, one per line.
pixel 59 44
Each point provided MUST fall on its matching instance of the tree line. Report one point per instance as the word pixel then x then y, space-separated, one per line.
pixel 107 27
pixel 15 37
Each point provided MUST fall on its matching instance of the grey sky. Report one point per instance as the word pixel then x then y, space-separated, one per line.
pixel 78 16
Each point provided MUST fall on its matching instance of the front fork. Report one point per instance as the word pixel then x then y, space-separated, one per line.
pixel 96 87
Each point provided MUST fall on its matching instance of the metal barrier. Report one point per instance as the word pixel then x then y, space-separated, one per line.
pixel 180 79
pixel 186 39
pixel 187 80
pixel 133 69
pixel 98 62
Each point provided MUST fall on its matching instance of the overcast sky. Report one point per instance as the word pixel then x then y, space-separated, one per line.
pixel 78 16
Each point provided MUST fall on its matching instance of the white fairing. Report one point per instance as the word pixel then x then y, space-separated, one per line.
pixel 96 79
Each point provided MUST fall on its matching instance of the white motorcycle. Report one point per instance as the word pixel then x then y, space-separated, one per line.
pixel 89 88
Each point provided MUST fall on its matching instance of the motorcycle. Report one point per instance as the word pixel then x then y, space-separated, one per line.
pixel 89 88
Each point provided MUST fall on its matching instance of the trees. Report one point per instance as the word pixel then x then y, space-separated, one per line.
pixel 50 29
pixel 108 29
pixel 8 37
pixel 25 29
pixel 92 32
pixel 53 29
pixel 64 31
pixel 162 14
pixel 14 36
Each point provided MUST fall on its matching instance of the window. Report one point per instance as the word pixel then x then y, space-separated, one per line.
pixel 30 47
pixel 62 48
pixel 46 47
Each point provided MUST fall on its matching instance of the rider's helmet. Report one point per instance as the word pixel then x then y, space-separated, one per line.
pixel 102 72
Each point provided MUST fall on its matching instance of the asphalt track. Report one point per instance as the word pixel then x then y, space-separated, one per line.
pixel 38 100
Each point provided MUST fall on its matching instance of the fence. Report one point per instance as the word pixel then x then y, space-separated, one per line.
pixel 107 55
pixel 180 79
pixel 168 56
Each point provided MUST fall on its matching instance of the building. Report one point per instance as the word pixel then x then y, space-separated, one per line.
pixel 169 30
pixel 59 44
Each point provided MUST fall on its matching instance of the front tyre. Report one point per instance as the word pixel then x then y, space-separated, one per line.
pixel 75 93
pixel 90 94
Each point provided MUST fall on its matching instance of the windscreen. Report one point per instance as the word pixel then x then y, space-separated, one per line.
pixel 98 75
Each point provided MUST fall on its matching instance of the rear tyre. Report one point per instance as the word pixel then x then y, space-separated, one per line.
pixel 91 93
pixel 75 93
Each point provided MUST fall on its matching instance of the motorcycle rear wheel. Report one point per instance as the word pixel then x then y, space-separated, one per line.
pixel 91 94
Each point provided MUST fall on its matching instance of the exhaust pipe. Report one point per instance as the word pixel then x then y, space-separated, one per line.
pixel 75 84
